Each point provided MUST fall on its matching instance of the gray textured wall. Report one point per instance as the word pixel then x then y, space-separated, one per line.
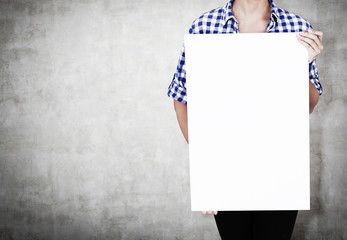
pixel 89 143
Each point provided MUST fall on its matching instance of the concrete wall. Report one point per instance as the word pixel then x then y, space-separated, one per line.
pixel 90 147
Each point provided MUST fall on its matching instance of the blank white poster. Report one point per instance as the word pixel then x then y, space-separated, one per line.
pixel 248 121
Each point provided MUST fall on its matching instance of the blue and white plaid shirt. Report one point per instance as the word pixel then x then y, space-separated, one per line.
pixel 222 21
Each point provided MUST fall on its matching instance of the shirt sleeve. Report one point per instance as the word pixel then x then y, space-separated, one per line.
pixel 314 78
pixel 177 89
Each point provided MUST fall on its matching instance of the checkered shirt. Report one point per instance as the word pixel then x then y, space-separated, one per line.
pixel 222 21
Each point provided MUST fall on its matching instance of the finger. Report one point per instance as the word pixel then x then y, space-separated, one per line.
pixel 204 212
pixel 311 39
pixel 209 212
pixel 318 33
pixel 215 212
pixel 314 37
pixel 316 49
pixel 307 45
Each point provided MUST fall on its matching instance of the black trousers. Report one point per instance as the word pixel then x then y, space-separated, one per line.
pixel 256 225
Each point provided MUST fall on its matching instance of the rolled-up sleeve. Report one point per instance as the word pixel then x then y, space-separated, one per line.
pixel 314 78
pixel 177 89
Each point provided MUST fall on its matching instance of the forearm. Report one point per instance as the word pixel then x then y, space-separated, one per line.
pixel 181 113
pixel 314 96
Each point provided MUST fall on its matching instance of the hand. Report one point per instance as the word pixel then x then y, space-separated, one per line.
pixel 210 212
pixel 312 40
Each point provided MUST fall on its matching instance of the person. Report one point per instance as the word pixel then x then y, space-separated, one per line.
pixel 250 16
